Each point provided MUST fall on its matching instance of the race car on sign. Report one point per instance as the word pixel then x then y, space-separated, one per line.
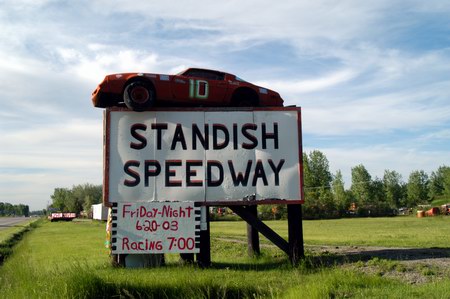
pixel 192 87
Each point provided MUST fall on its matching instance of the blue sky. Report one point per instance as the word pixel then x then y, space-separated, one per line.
pixel 373 78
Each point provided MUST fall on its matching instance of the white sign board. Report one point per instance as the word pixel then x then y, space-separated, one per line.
pixel 155 227
pixel 203 155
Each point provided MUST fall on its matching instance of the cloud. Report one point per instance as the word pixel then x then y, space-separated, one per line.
pixel 301 87
pixel 438 135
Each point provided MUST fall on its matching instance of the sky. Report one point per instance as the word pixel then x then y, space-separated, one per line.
pixel 372 77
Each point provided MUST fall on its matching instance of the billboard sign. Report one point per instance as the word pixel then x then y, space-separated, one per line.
pixel 203 155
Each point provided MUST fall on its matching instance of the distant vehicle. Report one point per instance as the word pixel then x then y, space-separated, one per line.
pixel 445 209
pixel 62 216
pixel 404 211
pixel 432 212
pixel 192 87
pixel 99 212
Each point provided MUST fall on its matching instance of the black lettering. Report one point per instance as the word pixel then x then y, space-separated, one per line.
pixel 192 173
pixel 159 127
pixel 265 135
pixel 170 173
pixel 204 139
pixel 143 141
pixel 276 170
pixel 178 137
pixel 239 178
pixel 235 136
pixel 259 173
pixel 249 136
pixel 209 177
pixel 151 172
pixel 226 140
pixel 132 173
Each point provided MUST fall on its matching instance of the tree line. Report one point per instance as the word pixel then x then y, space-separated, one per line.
pixel 325 193
pixel 327 197
pixel 76 199
pixel 7 209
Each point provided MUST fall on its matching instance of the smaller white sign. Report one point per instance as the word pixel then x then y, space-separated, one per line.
pixel 155 227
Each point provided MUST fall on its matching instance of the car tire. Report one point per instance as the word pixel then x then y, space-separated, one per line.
pixel 139 95
pixel 245 98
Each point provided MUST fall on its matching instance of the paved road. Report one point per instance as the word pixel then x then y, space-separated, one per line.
pixel 6 222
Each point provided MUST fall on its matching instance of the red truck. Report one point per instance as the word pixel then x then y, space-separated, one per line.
pixel 62 216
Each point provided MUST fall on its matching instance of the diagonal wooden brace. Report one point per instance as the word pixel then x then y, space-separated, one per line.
pixel 262 228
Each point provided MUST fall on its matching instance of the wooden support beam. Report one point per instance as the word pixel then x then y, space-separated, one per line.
pixel 187 258
pixel 295 233
pixel 266 231
pixel 252 234
pixel 204 257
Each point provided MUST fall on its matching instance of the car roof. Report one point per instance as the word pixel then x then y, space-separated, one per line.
pixel 203 69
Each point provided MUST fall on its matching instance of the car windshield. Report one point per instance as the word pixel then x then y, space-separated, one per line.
pixel 239 79
pixel 205 74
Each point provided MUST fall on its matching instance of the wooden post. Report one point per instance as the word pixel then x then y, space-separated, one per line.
pixel 204 257
pixel 187 258
pixel 295 233
pixel 118 260
pixel 252 234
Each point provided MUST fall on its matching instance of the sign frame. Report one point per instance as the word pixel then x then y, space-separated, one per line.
pixel 250 201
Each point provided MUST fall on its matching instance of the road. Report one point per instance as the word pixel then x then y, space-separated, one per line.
pixel 6 222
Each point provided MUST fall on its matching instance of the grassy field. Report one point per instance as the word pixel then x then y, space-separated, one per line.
pixel 402 231
pixel 68 260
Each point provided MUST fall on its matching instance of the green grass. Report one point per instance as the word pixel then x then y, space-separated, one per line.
pixel 402 231
pixel 12 236
pixel 68 260
pixel 5 233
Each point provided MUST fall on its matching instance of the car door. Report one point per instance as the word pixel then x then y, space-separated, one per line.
pixel 200 87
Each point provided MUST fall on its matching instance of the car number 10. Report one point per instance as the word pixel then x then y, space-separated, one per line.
pixel 198 89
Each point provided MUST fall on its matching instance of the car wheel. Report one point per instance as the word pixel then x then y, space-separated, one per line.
pixel 244 98
pixel 139 95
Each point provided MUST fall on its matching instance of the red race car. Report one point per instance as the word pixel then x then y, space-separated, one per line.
pixel 192 87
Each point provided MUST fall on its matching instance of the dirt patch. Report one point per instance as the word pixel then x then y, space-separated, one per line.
pixel 411 265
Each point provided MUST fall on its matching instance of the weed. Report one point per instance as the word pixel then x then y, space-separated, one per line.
pixel 427 270
pixel 383 264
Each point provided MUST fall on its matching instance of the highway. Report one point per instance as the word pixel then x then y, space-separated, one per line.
pixel 6 222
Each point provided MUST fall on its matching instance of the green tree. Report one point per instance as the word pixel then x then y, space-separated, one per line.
pixel 342 197
pixel 7 209
pixel 90 195
pixel 361 185
pixel 317 186
pixel 392 184
pixel 437 182
pixel 417 188
pixel 61 199
pixel 76 199
pixel 446 175
pixel 86 195
pixel 377 192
